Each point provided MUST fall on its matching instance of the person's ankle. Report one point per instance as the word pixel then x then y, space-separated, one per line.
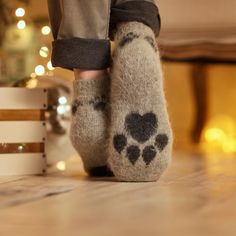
pixel 89 74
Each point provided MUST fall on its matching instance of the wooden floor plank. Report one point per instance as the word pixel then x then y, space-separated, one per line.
pixel 197 196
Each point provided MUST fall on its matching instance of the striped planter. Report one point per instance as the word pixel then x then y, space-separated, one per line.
pixel 22 131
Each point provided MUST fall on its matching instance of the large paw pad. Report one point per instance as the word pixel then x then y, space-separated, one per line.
pixel 140 128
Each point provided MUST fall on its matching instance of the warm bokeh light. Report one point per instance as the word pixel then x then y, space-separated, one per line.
pixel 46 30
pixel 32 83
pixel 21 24
pixel 20 12
pixel 220 135
pixel 214 135
pixel 49 66
pixel 61 109
pixel 62 100
pixel 61 165
pixel 44 51
pixel 21 147
pixel 39 70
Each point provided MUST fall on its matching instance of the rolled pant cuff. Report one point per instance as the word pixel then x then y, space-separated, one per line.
pixel 141 11
pixel 88 54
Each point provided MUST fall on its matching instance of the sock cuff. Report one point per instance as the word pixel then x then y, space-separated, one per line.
pixel 136 28
pixel 87 88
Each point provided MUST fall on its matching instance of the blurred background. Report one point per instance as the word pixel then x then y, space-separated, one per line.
pixel 197 195
pixel 198 50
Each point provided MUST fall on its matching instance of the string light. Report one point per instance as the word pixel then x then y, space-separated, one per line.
pixel 21 147
pixel 62 100
pixel 45 30
pixel 39 70
pixel 20 12
pixel 61 110
pixel 44 51
pixel 21 24
pixel 61 165
pixel 49 66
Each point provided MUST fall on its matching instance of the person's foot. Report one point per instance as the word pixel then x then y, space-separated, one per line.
pixel 88 132
pixel 140 136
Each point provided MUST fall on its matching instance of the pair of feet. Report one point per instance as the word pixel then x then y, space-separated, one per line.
pixel 120 124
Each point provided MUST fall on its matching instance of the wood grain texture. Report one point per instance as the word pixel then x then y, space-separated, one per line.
pixel 21 98
pixel 197 196
pixel 16 164
pixel 22 131
pixel 26 148
pixel 10 115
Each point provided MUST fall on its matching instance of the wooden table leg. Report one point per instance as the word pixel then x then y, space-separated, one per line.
pixel 200 93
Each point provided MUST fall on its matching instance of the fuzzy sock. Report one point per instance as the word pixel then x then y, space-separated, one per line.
pixel 88 132
pixel 140 137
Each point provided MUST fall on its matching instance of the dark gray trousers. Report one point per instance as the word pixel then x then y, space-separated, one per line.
pixel 82 29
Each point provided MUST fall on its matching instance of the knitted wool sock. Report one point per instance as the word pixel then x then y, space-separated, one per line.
pixel 88 132
pixel 140 139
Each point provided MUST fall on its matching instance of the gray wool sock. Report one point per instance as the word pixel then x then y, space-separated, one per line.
pixel 140 137
pixel 88 132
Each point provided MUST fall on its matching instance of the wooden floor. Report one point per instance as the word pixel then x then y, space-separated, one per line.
pixel 196 196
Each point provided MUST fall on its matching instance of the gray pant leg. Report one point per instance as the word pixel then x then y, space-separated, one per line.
pixel 144 11
pixel 81 33
pixel 82 28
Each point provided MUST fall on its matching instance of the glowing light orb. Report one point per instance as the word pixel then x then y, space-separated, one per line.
pixel 44 51
pixel 46 30
pixel 21 24
pixel 20 12
pixel 39 70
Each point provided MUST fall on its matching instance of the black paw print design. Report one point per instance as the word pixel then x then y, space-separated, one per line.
pixel 129 37
pixel 98 103
pixel 141 128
